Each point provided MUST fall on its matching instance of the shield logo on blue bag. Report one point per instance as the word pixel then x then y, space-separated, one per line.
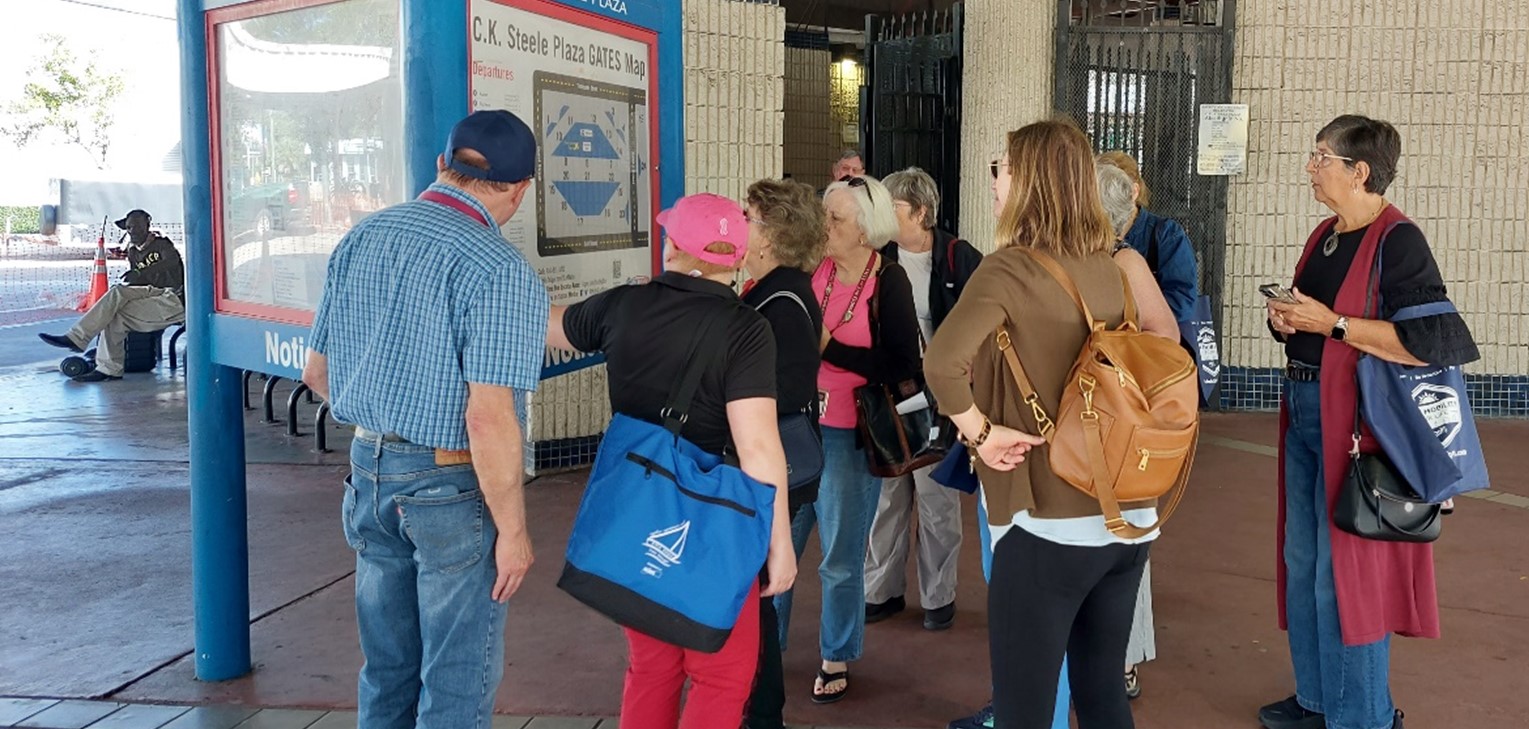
pixel 1440 407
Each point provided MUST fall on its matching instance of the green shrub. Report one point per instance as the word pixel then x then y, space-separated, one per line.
pixel 25 219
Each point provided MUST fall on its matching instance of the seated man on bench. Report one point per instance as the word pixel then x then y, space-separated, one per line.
pixel 150 297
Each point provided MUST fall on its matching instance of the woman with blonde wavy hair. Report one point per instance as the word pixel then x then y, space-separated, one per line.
pixel 1062 583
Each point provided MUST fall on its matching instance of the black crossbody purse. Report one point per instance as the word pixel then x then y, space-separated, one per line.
pixel 799 432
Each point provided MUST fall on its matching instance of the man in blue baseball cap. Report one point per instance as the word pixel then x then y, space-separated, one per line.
pixel 428 337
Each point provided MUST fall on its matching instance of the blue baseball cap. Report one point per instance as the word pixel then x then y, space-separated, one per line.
pixel 502 138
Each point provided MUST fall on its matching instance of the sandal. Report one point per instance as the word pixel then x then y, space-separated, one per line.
pixel 1133 684
pixel 826 678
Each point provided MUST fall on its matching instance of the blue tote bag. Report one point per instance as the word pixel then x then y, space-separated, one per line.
pixel 1198 335
pixel 669 538
pixel 1422 418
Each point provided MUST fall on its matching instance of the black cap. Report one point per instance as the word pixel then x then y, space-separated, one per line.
pixel 122 223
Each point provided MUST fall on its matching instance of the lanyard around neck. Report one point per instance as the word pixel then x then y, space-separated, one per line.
pixel 455 204
pixel 833 277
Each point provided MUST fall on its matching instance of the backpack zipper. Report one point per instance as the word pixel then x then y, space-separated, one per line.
pixel 1147 454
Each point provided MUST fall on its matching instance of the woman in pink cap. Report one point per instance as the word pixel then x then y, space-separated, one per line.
pixel 646 333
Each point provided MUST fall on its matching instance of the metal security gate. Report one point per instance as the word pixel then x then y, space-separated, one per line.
pixel 1133 73
pixel 911 103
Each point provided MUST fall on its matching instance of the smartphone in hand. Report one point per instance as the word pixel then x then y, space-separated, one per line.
pixel 1276 292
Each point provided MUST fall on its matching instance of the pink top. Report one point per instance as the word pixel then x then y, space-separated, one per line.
pixel 838 382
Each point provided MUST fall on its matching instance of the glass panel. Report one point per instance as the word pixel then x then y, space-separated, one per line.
pixel 311 119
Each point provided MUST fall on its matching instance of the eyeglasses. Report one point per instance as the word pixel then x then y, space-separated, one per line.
pixel 994 165
pixel 860 183
pixel 1319 158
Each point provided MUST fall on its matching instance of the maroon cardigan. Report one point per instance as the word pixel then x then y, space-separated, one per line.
pixel 1383 587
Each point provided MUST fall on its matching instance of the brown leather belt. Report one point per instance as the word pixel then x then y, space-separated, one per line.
pixel 443 457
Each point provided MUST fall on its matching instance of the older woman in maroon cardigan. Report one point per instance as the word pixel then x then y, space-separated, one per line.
pixel 1341 596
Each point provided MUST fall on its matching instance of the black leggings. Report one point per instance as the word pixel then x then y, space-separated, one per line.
pixel 1047 599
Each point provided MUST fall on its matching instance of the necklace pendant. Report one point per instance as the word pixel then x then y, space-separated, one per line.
pixel 1331 246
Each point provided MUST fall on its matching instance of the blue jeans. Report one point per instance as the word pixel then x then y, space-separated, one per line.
pixel 1063 688
pixel 432 637
pixel 844 510
pixel 1347 683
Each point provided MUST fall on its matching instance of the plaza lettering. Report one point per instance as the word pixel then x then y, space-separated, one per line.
pixel 615 6
pixel 489 31
pixel 291 353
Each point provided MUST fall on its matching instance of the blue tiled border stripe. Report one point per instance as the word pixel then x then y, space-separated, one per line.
pixel 1258 388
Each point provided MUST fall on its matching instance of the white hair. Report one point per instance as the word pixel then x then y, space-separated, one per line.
pixel 875 217
pixel 1117 194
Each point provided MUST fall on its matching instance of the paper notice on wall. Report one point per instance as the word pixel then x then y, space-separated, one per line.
pixel 1223 148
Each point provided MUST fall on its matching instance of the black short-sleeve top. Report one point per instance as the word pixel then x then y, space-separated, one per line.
pixel 647 333
pixel 1409 275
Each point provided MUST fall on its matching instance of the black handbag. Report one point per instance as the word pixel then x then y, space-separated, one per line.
pixel 899 443
pixel 1375 502
pixel 800 435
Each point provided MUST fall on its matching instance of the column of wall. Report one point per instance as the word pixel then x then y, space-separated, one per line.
pixel 1006 84
pixel 1453 77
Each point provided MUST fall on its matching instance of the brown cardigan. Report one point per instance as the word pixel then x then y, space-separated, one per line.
pixel 963 365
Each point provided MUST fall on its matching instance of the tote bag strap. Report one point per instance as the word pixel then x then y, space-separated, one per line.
pixel 704 349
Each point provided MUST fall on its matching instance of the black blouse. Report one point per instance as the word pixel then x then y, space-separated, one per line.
pixel 1408 276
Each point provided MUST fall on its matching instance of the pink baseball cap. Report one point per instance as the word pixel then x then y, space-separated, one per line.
pixel 697 221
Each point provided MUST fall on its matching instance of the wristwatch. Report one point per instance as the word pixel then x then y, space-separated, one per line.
pixel 1340 329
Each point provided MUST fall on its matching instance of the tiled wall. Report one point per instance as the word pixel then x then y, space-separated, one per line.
pixel 734 92
pixel 1007 84
pixel 1454 79
pixel 810 145
pixel 734 78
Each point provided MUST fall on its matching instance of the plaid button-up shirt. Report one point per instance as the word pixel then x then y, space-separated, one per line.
pixel 421 299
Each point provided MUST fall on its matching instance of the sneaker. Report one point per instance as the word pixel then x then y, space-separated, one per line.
pixel 1396 723
pixel 95 376
pixel 876 612
pixel 983 719
pixel 940 618
pixel 1289 714
pixel 61 341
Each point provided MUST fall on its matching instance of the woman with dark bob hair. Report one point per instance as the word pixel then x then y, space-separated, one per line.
pixel 1341 596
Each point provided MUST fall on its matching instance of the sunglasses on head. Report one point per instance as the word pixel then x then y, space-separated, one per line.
pixel 860 183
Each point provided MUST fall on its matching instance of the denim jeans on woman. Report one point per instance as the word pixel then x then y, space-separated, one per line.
pixel 843 513
pixel 1349 684
pixel 432 637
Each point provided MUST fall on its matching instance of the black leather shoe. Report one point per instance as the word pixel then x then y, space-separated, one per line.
pixel 876 612
pixel 1289 714
pixel 95 376
pixel 1397 722
pixel 940 618
pixel 60 341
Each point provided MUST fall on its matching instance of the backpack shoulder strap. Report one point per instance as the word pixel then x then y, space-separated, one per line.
pixel 1043 422
pixel 1132 316
pixel 1066 282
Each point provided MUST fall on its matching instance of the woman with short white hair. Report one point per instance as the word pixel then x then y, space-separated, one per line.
pixel 870 336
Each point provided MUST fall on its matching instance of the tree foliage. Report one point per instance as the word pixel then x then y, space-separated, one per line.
pixel 66 96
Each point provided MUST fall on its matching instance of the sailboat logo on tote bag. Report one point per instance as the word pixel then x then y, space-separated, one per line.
pixel 1440 406
pixel 665 547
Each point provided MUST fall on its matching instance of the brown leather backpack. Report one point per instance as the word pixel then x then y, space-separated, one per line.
pixel 1130 417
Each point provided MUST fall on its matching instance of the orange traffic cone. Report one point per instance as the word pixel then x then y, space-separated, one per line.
pixel 98 283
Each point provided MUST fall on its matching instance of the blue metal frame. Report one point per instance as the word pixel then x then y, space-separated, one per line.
pixel 215 421
pixel 434 40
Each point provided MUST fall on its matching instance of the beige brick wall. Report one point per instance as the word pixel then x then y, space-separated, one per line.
pixel 1007 83
pixel 810 144
pixel 1453 76
pixel 734 91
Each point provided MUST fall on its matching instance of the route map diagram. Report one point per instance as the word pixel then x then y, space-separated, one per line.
pixel 592 168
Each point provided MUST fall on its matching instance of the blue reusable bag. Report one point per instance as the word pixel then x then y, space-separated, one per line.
pixel 1422 418
pixel 1198 335
pixel 669 539
pixel 955 470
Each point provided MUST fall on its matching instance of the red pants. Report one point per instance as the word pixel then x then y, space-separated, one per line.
pixel 720 682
